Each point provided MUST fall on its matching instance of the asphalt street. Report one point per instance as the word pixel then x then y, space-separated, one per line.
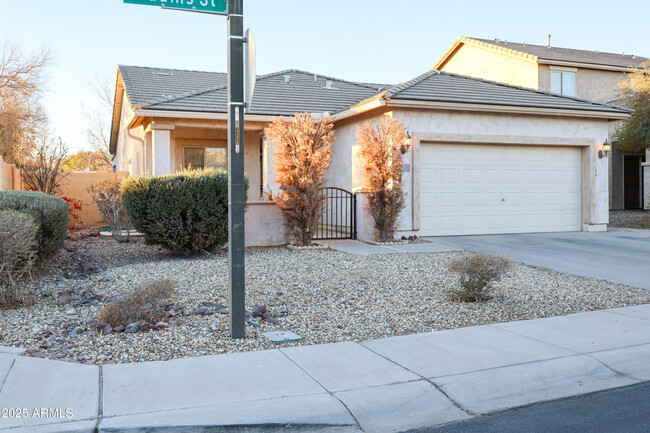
pixel 621 410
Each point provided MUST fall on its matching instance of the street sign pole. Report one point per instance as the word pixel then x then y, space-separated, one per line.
pixel 234 9
pixel 236 191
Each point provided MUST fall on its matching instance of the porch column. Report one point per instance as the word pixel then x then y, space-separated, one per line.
pixel 646 180
pixel 161 153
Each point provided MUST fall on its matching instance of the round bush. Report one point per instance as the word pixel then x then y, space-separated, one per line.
pixel 18 249
pixel 186 212
pixel 50 213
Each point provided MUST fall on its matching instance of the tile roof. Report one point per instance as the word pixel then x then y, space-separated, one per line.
pixel 293 91
pixel 438 86
pixel 542 52
pixel 281 93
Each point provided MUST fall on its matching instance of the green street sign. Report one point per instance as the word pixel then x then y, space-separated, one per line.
pixel 219 7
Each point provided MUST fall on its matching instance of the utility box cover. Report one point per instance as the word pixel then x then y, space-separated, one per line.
pixel 281 337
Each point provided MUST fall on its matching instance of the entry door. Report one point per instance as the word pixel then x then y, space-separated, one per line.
pixel 632 181
pixel 489 189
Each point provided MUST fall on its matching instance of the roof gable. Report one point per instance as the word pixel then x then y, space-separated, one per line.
pixel 542 53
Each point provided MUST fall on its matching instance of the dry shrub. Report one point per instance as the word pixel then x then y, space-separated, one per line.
pixel 302 157
pixel 145 303
pixel 476 273
pixel 380 148
pixel 108 198
pixel 18 251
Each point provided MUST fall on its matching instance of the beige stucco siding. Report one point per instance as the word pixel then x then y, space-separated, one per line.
pixel 464 127
pixel 591 84
pixel 128 150
pixel 492 65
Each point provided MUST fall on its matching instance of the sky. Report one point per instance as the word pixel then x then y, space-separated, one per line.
pixel 381 41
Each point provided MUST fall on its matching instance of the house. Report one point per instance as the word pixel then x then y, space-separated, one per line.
pixel 590 75
pixel 485 157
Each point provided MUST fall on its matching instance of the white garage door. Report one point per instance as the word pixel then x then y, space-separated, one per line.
pixel 485 189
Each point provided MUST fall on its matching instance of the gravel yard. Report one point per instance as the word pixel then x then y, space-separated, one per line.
pixel 631 219
pixel 324 296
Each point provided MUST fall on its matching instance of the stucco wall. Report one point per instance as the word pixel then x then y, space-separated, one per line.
pixel 264 225
pixel 128 150
pixel 469 127
pixel 492 65
pixel 76 185
pixel 592 84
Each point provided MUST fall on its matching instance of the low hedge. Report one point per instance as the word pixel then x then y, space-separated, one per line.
pixel 186 212
pixel 50 213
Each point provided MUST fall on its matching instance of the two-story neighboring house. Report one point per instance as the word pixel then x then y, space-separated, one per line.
pixel 582 74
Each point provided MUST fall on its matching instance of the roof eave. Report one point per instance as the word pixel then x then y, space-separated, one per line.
pixel 551 62
pixel 511 109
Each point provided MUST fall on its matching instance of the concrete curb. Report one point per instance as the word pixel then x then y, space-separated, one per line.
pixel 385 385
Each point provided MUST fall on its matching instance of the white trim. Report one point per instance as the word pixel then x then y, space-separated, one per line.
pixel 562 68
pixel 506 109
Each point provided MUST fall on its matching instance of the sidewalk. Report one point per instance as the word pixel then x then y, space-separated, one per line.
pixel 385 385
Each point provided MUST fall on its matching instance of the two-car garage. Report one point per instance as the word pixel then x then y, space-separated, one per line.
pixel 468 189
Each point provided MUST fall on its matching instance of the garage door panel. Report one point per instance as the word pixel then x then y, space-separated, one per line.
pixel 484 189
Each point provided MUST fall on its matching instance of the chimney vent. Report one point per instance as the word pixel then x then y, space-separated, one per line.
pixel 328 84
pixel 548 41
pixel 287 78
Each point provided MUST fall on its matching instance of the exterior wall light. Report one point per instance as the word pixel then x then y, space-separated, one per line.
pixel 407 143
pixel 604 152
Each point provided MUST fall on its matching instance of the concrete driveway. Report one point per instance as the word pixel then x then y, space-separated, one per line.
pixel 619 256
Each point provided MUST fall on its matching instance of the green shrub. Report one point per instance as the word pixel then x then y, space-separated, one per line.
pixel 476 273
pixel 50 213
pixel 18 249
pixel 186 212
pixel 145 303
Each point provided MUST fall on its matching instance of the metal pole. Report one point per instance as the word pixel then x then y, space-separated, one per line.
pixel 236 193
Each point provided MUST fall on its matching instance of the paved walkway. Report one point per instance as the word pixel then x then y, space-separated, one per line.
pixel 620 256
pixel 384 385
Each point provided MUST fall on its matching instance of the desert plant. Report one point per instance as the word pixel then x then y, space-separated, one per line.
pixel 144 303
pixel 380 148
pixel 50 213
pixel 108 198
pixel 302 157
pixel 476 273
pixel 74 206
pixel 186 212
pixel 18 249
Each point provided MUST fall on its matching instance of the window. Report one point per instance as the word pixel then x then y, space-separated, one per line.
pixel 204 157
pixel 563 82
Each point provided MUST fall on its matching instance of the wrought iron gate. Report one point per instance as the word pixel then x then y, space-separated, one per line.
pixel 339 219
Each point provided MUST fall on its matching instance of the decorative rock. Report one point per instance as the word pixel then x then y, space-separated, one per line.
pixel 107 329
pixel 253 323
pixel 132 328
pixel 146 327
pixel 64 298
pixel 174 322
pixel 203 312
pixel 119 329
pixel 162 325
pixel 272 320
pixel 101 325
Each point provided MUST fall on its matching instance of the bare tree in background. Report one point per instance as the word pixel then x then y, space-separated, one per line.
pixel 98 128
pixel 21 117
pixel 42 171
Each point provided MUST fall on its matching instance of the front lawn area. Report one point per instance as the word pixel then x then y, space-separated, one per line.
pixel 324 296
